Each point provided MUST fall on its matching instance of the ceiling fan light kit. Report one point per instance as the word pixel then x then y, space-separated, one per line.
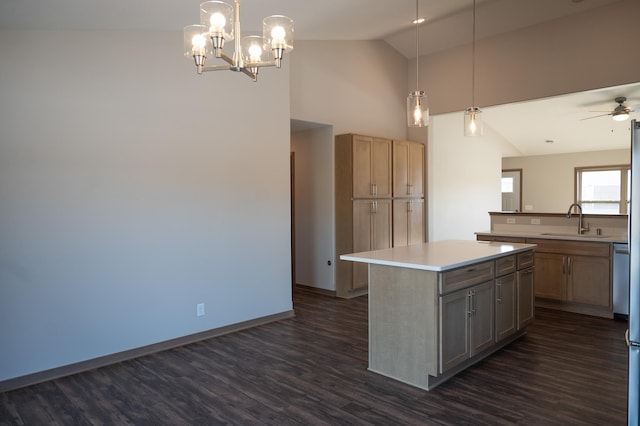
pixel 219 22
pixel 619 113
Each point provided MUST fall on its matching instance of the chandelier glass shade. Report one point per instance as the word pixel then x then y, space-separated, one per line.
pixel 220 23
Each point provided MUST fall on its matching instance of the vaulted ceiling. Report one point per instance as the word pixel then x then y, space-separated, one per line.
pixel 448 24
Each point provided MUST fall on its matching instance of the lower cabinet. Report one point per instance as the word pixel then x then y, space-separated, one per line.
pixel 526 297
pixel 506 310
pixel 466 326
pixel 426 326
pixel 574 276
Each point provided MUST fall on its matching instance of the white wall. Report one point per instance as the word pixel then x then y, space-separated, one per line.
pixel 314 208
pixel 355 86
pixel 132 189
pixel 463 179
pixel 548 181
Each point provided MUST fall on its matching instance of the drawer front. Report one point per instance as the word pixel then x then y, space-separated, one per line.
pixel 505 265
pixel 466 276
pixel 525 260
pixel 583 248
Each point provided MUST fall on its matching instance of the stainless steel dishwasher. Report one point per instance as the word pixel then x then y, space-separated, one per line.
pixel 621 281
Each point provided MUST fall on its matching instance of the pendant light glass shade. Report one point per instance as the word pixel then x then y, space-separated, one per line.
pixel 473 122
pixel 417 109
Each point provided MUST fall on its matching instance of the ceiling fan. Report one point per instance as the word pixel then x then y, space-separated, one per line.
pixel 619 113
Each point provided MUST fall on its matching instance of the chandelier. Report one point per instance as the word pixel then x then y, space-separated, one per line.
pixel 219 22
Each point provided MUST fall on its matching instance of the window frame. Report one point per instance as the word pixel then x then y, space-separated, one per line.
pixel 623 202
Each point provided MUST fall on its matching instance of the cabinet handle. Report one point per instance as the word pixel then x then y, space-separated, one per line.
pixel 409 189
pixel 375 207
pixel 562 265
pixel 375 189
pixel 474 299
pixel 469 303
pixel 371 190
pixel 568 265
pixel 410 206
pixel 499 298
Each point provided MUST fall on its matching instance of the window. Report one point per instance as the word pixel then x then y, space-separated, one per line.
pixel 507 184
pixel 603 190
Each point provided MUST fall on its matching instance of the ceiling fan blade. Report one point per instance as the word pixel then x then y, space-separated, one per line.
pixel 595 116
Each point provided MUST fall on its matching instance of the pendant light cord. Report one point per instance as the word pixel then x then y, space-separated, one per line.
pixel 417 49
pixel 473 59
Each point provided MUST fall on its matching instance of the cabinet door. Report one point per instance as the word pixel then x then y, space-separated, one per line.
pixel 454 329
pixel 526 298
pixel 382 223
pixel 362 166
pixel 362 240
pixel 481 327
pixel 371 231
pixel 371 167
pixel 505 306
pixel 408 169
pixel 408 222
pixel 550 276
pixel 589 280
pixel 381 168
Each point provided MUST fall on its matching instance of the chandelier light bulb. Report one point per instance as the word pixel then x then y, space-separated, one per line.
pixel 218 22
pixel 198 41
pixel 255 53
pixel 278 34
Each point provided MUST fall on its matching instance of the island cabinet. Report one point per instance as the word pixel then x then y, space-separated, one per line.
pixel 427 325
pixel 574 276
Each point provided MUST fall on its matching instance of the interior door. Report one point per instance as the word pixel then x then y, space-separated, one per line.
pixel 511 190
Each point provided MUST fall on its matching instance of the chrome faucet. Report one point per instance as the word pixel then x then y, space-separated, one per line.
pixel 581 230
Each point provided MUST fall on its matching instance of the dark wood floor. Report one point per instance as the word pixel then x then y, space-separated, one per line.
pixel 569 370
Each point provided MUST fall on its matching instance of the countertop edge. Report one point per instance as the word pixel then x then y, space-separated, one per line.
pixel 524 234
pixel 522 247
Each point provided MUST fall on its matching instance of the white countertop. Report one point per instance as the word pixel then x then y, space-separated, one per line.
pixel 617 237
pixel 438 255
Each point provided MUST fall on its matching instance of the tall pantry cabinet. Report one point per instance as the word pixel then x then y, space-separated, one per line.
pixel 379 202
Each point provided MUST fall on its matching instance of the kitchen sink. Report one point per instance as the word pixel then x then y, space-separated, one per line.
pixel 568 234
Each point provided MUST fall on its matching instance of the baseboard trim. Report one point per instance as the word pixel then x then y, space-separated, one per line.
pixel 316 290
pixel 103 361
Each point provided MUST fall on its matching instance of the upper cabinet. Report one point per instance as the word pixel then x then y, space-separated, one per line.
pixel 371 167
pixel 408 169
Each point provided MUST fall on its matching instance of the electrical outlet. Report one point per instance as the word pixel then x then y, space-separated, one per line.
pixel 528 207
pixel 511 220
pixel 200 309
pixel 535 221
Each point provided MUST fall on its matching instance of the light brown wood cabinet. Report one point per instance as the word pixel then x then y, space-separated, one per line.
pixel 369 216
pixel 371 167
pixel 408 169
pixel 574 276
pixel 371 231
pixel 466 324
pixel 425 326
pixel 408 222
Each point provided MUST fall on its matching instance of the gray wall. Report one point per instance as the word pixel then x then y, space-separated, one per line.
pixel 132 189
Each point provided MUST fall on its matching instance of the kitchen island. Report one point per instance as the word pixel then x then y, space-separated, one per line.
pixel 437 308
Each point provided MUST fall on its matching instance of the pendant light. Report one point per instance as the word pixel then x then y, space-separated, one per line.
pixel 417 105
pixel 473 115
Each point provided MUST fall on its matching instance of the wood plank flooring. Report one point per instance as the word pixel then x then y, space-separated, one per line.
pixel 312 369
